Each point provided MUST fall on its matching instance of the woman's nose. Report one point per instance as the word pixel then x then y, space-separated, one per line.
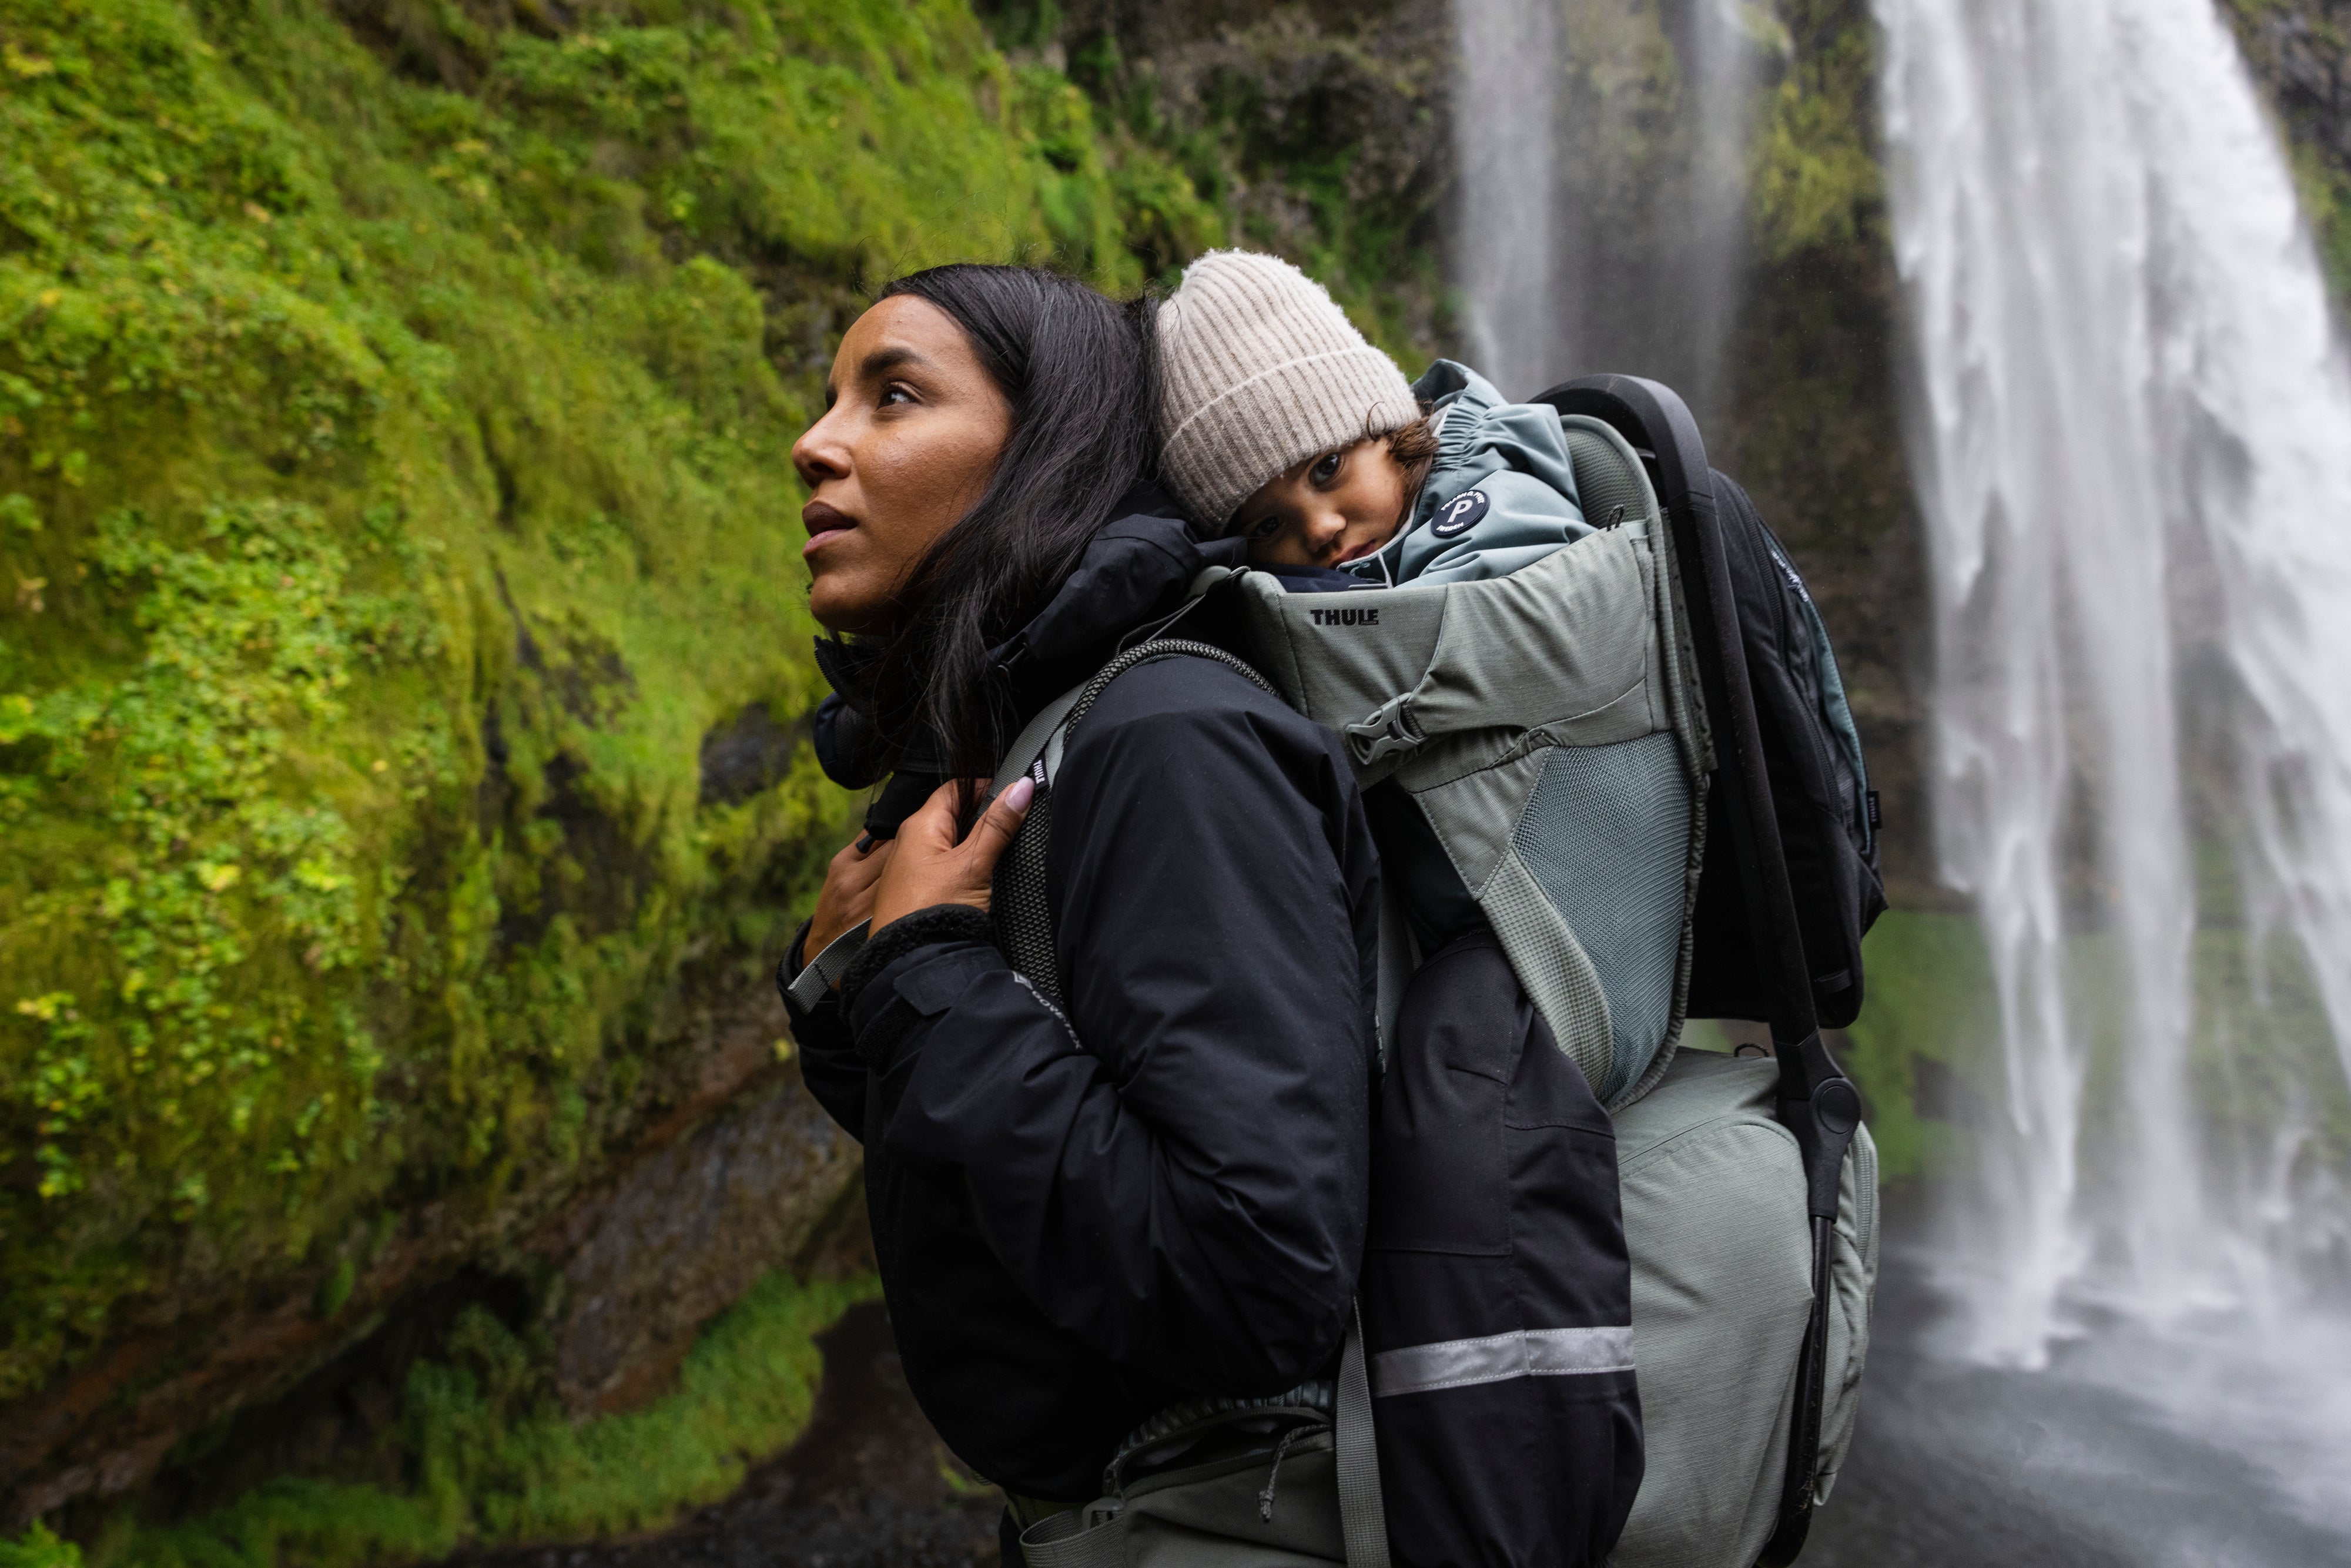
pixel 821 453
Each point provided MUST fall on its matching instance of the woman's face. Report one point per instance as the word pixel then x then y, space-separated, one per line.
pixel 912 428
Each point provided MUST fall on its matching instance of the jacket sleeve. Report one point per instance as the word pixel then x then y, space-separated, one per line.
pixel 1178 1172
pixel 830 1064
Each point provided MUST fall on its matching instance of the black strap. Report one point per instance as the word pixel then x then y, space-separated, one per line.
pixel 1020 901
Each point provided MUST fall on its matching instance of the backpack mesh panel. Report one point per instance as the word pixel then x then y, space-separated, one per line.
pixel 1606 837
pixel 1603 480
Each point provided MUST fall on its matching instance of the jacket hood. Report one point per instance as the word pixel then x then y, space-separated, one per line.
pixel 1136 567
pixel 1479 434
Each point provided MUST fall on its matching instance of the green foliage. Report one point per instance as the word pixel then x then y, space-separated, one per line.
pixel 203 869
pixel 1929 1016
pixel 395 414
pixel 1295 143
pixel 37 1548
pixel 1814 179
pixel 2326 206
pixel 496 1460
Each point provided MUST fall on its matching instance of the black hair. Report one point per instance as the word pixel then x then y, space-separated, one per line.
pixel 1075 367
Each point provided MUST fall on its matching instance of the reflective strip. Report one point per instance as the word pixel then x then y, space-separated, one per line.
pixel 1521 1353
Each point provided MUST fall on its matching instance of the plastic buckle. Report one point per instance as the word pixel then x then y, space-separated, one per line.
pixel 1389 732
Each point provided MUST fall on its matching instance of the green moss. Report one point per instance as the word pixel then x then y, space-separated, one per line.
pixel 1930 1014
pixel 37 1548
pixel 395 412
pixel 1288 144
pixel 495 1461
pixel 1814 179
pixel 2325 191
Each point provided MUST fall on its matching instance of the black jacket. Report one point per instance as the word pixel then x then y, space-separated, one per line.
pixel 1497 1293
pixel 1079 1221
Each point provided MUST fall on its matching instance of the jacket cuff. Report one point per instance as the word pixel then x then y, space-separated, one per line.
pixel 879 1025
pixel 789 969
pixel 819 1031
pixel 939 923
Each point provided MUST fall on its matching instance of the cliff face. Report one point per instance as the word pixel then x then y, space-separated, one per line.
pixel 2300 55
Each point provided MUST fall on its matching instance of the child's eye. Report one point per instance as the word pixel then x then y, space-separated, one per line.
pixel 1327 468
pixel 1265 527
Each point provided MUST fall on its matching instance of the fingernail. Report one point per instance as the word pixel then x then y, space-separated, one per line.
pixel 1016 797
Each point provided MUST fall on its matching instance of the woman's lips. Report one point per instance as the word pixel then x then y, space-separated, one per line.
pixel 824 525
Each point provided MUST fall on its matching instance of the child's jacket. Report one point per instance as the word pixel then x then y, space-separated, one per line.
pixel 1500 495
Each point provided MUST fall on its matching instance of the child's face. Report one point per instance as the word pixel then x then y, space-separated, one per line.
pixel 1333 507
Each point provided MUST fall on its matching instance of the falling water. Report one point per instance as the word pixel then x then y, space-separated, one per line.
pixel 2135 459
pixel 1602 213
pixel 1722 64
pixel 1508 54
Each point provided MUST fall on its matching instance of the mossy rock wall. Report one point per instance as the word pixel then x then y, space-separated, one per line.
pixel 403 657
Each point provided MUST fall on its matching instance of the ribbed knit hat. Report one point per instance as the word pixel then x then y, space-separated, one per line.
pixel 1258 368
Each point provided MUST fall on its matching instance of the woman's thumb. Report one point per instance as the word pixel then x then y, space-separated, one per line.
pixel 994 831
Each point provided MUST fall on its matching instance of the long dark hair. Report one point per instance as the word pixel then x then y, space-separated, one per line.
pixel 1075 366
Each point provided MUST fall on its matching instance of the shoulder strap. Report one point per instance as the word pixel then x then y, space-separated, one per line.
pixel 1022 909
pixel 1362 1511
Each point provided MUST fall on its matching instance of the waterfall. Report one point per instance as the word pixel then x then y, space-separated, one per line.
pixel 1600 214
pixel 2133 443
pixel 1504 89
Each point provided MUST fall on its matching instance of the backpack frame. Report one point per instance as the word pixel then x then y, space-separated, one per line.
pixel 1753 927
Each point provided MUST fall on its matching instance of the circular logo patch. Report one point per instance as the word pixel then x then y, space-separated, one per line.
pixel 1460 515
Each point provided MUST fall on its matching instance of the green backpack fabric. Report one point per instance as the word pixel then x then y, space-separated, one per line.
pixel 1547 724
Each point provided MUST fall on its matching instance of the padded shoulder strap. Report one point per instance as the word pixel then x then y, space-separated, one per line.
pixel 1030 744
pixel 1145 654
pixel 1021 902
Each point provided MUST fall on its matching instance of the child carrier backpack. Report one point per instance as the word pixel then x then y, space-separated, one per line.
pixel 1636 755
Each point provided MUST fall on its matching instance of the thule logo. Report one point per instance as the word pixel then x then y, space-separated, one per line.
pixel 1345 617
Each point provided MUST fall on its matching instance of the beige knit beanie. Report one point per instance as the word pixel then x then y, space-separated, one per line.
pixel 1258 368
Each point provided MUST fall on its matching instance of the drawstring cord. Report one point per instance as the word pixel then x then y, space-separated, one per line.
pixel 1265 1498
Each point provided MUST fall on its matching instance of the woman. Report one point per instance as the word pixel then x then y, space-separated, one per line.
pixel 1077 1222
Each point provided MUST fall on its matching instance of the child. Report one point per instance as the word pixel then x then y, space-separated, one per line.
pixel 1496 1286
pixel 1282 424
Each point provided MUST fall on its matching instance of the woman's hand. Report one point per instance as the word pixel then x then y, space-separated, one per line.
pixel 848 895
pixel 930 867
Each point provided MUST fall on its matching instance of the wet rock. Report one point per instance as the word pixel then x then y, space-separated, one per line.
pixel 674 1240
pixel 747 754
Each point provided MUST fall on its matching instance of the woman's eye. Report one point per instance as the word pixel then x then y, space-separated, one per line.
pixel 1327 470
pixel 895 393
